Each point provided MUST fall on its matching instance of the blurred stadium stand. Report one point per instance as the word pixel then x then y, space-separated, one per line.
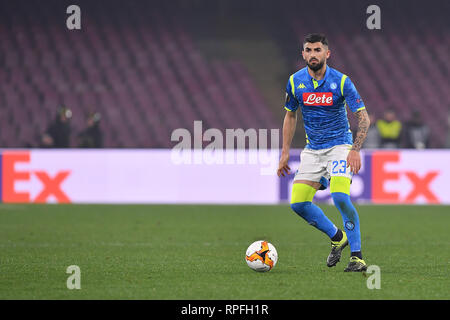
pixel 150 67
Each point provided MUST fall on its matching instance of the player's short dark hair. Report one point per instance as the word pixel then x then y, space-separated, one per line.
pixel 316 37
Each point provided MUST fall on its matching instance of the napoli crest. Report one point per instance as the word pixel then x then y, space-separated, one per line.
pixel 349 225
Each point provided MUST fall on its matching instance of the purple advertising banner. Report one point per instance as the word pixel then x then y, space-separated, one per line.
pixel 224 177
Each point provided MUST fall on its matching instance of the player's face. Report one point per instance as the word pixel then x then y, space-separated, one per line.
pixel 315 55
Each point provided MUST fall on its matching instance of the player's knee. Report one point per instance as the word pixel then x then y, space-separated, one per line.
pixel 301 199
pixel 340 185
pixel 302 192
pixel 340 192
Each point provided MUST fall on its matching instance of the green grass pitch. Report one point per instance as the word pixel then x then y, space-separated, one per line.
pixel 197 252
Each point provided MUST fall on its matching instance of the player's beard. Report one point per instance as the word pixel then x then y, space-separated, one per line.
pixel 316 66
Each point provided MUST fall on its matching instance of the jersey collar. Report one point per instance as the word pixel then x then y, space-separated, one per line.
pixel 316 83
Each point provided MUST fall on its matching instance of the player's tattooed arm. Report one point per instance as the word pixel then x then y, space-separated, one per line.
pixel 363 127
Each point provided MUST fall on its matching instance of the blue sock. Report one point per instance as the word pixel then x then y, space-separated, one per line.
pixel 350 217
pixel 315 217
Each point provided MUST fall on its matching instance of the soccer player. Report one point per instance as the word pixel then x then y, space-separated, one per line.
pixel 330 156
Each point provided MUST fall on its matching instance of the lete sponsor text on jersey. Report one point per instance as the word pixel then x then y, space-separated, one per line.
pixel 318 98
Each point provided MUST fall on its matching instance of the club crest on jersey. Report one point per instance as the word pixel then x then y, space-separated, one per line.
pixel 318 98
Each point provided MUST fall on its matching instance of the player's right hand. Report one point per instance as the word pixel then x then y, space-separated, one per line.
pixel 283 167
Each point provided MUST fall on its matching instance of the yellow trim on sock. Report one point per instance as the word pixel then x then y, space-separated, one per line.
pixel 302 193
pixel 340 184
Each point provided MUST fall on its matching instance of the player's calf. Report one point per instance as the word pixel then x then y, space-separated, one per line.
pixel 340 192
pixel 301 203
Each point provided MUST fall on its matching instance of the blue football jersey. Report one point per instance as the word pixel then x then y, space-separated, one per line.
pixel 323 105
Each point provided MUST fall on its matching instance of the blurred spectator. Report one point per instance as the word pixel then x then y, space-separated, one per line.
pixel 46 141
pixel 373 136
pixel 417 133
pixel 58 132
pixel 91 137
pixel 390 130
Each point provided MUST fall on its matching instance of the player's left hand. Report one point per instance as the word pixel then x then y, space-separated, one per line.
pixel 354 161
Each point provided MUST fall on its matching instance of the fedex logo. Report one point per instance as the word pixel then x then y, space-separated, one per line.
pixel 318 98
pixel 10 175
pixel 419 185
